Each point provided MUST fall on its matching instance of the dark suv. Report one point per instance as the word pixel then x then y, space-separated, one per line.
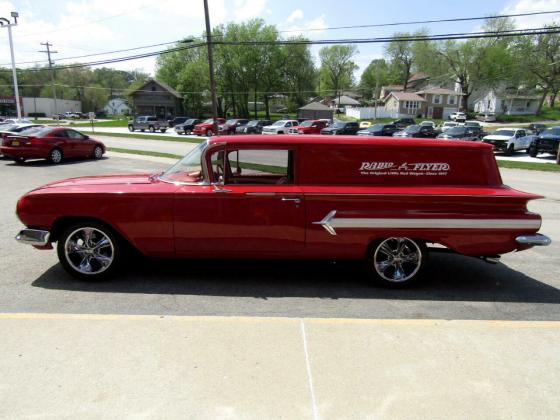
pixel 176 121
pixel 341 127
pixel 403 122
pixel 230 126
pixel 379 130
pixel 461 133
pixel 417 131
pixel 253 127
pixel 187 127
pixel 546 142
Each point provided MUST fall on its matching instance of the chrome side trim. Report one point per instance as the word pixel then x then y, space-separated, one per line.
pixel 264 193
pixel 33 237
pixel 330 223
pixel 537 239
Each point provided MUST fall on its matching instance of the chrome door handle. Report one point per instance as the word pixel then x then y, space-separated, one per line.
pixel 295 200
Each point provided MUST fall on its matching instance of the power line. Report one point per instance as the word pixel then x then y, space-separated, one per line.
pixel 418 22
pixel 49 52
pixel 437 37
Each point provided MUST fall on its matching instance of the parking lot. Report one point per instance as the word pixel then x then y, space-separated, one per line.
pixel 276 339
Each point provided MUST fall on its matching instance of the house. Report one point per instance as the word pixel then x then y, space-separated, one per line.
pixel 157 98
pixel 417 81
pixel 507 101
pixel 343 101
pixel 315 111
pixel 385 90
pixel 440 102
pixel 405 104
pixel 117 106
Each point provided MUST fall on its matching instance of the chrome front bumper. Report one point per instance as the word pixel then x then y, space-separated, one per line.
pixel 33 237
pixel 536 240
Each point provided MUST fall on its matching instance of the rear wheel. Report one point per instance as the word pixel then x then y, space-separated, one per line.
pixel 510 150
pixel 19 160
pixel 152 129
pixel 533 152
pixel 209 133
pixel 163 130
pixel 131 128
pixel 97 152
pixel 187 131
pixel 55 156
pixel 89 251
pixel 396 262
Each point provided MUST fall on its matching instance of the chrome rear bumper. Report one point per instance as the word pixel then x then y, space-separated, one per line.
pixel 33 237
pixel 537 240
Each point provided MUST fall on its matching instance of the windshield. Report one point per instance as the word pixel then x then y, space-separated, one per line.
pixel 456 130
pixel 555 131
pixel 253 123
pixel 307 123
pixel 376 127
pixel 8 127
pixel 209 121
pixel 412 129
pixel 508 133
pixel 231 122
pixel 191 121
pixel 188 169
pixel 338 125
pixel 279 123
pixel 39 131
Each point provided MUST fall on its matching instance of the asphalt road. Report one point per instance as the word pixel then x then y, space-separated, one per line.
pixel 525 286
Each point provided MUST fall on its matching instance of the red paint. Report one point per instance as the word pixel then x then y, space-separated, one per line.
pixel 174 220
pixel 39 147
pixel 315 127
pixel 203 128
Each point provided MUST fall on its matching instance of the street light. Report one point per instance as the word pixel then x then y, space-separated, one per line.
pixel 6 23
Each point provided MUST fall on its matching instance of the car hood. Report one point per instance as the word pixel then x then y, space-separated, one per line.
pixel 496 137
pixel 125 179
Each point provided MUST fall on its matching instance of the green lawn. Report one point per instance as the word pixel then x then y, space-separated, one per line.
pixel 146 136
pixel 547 167
pixel 144 153
pixel 112 123
pixel 546 114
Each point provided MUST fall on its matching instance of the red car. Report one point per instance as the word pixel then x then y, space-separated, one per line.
pixel 309 127
pixel 385 200
pixel 52 143
pixel 206 128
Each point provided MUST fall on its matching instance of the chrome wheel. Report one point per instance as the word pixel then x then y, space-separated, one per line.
pixel 98 152
pixel 55 156
pixel 89 250
pixel 397 260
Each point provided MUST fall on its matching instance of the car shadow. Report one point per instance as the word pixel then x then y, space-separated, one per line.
pixel 34 163
pixel 447 277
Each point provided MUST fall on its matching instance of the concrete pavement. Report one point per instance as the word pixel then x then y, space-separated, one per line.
pixel 108 366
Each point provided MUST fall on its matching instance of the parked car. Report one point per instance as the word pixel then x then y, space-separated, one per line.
pixel 253 127
pixel 280 127
pixel 546 142
pixel 177 120
pixel 308 127
pixel 486 117
pixel 231 125
pixel 341 128
pixel 365 124
pixel 203 206
pixel 379 130
pixel 458 116
pixel 8 129
pixel 447 125
pixel 477 127
pixel 509 140
pixel 52 143
pixel 417 131
pixel 536 128
pixel 429 124
pixel 206 128
pixel 187 127
pixel 146 122
pixel 403 122
pixel 460 133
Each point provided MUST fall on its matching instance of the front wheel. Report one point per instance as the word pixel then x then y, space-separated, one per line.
pixel 131 128
pixel 89 251
pixel 396 262
pixel 510 150
pixel 188 132
pixel 19 160
pixel 97 152
pixel 209 133
pixel 151 129
pixel 163 130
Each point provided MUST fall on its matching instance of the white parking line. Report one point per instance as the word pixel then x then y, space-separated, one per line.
pixel 309 375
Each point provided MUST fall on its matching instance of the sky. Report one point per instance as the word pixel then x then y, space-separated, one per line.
pixel 81 27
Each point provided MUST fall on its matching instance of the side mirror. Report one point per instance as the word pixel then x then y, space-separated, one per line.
pixel 87 137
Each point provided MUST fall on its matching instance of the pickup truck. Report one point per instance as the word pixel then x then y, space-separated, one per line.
pixel 389 203
pixel 150 123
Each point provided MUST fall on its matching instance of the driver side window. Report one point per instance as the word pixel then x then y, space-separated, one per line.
pixel 217 165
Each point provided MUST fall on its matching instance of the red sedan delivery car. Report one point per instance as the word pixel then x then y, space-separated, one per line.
pixel 206 128
pixel 52 143
pixel 309 127
pixel 383 200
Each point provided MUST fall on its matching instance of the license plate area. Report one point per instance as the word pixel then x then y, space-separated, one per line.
pixel 15 142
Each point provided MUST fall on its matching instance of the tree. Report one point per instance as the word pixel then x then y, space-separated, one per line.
pixel 298 73
pixel 375 75
pixel 541 63
pixel 337 68
pixel 401 57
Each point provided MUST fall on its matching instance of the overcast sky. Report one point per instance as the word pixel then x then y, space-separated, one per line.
pixel 80 27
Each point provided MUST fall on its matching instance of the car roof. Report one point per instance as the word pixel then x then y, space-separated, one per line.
pixel 290 140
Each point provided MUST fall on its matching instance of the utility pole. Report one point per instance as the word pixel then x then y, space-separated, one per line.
pixel 211 68
pixel 5 22
pixel 49 52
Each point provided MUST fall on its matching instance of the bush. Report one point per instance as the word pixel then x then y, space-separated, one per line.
pixel 36 115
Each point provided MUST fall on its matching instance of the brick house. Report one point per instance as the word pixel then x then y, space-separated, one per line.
pixel 439 102
pixel 405 104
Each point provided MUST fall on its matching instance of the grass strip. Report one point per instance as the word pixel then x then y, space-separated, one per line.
pixel 144 153
pixel 531 166
pixel 146 137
